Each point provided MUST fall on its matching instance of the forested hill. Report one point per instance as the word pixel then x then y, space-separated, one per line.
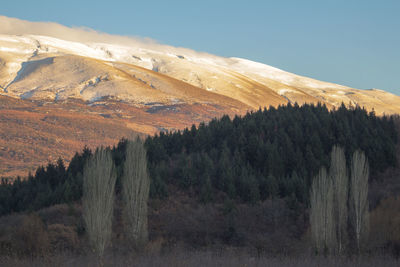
pixel 267 153
pixel 273 152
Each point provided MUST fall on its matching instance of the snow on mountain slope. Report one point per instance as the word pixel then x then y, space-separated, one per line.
pixel 37 66
pixel 68 80
pixel 151 59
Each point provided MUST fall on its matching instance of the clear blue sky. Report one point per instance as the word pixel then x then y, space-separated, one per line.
pixel 355 43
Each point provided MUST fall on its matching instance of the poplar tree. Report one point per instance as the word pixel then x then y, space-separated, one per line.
pixel 135 191
pixel 99 178
pixel 322 213
pixel 338 174
pixel 359 206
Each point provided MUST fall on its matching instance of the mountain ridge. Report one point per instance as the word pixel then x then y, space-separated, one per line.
pixel 252 83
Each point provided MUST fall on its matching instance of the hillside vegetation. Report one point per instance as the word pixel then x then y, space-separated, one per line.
pixel 241 182
pixel 271 153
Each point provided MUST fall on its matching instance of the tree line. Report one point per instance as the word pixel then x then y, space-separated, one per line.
pixel 269 153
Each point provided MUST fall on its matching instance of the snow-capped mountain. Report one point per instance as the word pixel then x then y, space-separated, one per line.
pixel 34 66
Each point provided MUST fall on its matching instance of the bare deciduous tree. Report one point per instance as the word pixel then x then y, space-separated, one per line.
pixel 359 197
pixel 339 176
pixel 135 190
pixel 98 199
pixel 322 213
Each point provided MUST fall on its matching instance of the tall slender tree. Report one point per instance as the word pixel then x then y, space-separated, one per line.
pixel 322 213
pixel 359 206
pixel 135 190
pixel 98 199
pixel 338 174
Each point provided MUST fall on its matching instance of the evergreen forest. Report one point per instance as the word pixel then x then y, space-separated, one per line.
pixel 266 154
